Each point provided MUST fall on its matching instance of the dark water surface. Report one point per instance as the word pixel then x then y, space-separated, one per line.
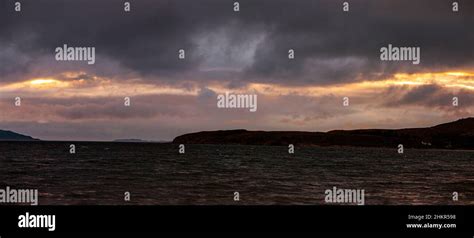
pixel 100 173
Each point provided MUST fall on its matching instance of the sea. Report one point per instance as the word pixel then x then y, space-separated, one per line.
pixel 106 173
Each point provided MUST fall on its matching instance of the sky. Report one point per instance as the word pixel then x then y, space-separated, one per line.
pixel 337 55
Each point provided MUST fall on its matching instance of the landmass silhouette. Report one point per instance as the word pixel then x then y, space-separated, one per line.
pixel 453 135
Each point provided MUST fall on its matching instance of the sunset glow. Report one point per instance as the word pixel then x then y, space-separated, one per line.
pixel 106 87
pixel 43 81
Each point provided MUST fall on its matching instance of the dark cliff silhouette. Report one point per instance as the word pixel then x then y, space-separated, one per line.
pixel 12 136
pixel 453 135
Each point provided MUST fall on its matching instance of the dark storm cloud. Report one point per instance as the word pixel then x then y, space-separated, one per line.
pixel 249 46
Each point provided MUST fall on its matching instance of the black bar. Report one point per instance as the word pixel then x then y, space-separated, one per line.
pixel 238 218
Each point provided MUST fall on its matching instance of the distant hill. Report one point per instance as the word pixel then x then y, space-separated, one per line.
pixel 12 136
pixel 453 135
